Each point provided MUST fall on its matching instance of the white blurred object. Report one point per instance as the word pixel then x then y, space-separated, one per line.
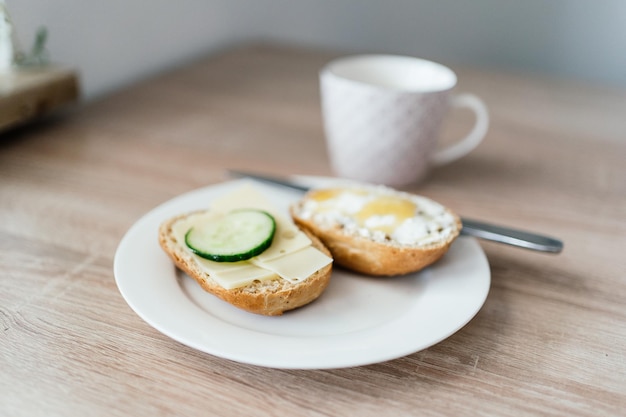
pixel 7 53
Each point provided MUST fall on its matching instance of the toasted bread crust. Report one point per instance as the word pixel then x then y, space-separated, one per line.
pixel 270 298
pixel 370 257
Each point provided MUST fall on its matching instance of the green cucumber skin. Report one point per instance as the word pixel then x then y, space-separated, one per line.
pixel 231 258
pixel 236 257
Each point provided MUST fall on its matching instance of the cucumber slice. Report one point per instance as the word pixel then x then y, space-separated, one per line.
pixel 239 235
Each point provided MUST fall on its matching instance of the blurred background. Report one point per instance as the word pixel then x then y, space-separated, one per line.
pixel 114 43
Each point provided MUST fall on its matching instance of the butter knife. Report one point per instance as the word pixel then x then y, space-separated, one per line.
pixel 475 228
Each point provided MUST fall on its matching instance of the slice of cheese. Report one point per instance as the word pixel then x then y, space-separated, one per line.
pixel 246 196
pixel 287 239
pixel 240 277
pixel 298 265
pixel 290 256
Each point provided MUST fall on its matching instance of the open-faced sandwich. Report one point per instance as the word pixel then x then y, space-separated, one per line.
pixel 377 230
pixel 242 250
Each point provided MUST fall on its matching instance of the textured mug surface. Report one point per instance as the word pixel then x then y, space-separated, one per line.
pixel 382 115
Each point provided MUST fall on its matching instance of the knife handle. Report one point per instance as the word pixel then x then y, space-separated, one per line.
pixel 510 236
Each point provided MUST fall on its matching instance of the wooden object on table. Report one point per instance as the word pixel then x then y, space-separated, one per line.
pixel 549 340
pixel 28 93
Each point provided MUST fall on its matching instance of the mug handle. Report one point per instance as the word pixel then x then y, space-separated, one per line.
pixel 469 142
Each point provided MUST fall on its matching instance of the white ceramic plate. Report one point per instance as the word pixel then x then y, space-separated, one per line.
pixel 358 320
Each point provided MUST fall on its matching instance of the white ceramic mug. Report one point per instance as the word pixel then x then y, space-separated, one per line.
pixel 383 113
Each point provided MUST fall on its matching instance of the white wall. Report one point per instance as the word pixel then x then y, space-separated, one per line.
pixel 116 42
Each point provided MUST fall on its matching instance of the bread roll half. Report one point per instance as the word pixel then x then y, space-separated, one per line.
pixel 269 297
pixel 377 230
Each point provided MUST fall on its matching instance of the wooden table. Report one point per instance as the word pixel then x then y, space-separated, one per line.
pixel 550 339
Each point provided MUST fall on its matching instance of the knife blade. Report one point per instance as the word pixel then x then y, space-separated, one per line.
pixel 479 229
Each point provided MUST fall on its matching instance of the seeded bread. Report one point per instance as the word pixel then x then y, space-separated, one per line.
pixel 270 298
pixel 367 255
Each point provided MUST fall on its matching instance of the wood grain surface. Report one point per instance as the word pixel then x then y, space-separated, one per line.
pixel 550 339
